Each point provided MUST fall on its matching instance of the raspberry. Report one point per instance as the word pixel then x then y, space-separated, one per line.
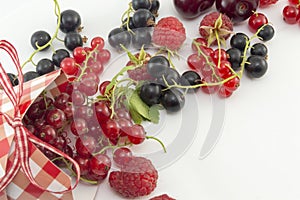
pixel 213 23
pixel 139 74
pixel 162 197
pixel 265 3
pixel 169 32
pixel 137 178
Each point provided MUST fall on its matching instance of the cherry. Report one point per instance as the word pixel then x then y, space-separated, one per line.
pixel 79 127
pixel 85 145
pixel 191 8
pixel 136 134
pixel 100 164
pixel 122 155
pixel 34 111
pixel 256 21
pixel 290 14
pixel 56 118
pixel 69 110
pixel 83 164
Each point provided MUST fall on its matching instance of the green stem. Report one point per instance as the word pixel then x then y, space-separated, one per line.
pixel 160 142
pixel 57 13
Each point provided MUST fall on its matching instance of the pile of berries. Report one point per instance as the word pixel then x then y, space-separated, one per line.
pixel 291 12
pixel 135 24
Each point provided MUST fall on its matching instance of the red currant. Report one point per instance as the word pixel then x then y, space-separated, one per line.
pixel 290 14
pixel 85 145
pixel 103 86
pixel 79 54
pixel 222 54
pixel 256 21
pixel 48 134
pixel 83 164
pixel 56 118
pixel 111 129
pixel 68 66
pixel 100 164
pixel 79 126
pixel 232 84
pixel 224 68
pixel 294 2
pixel 136 134
pixel 223 93
pixel 102 111
pixel 103 56
pixel 201 42
pixel 97 42
pixel 122 155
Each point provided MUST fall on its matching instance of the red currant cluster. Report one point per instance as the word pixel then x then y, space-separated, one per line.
pixel 214 67
pixel 291 12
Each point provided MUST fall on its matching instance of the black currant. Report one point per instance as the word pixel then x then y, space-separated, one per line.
pixel 150 93
pixel 139 4
pixel 234 56
pixel 157 65
pixel 256 66
pixel 154 7
pixel 259 49
pixel 40 38
pixel 70 21
pixel 59 55
pixel 73 40
pixel 141 37
pixel 44 66
pixel 266 33
pixel 170 77
pixel 118 37
pixel 172 100
pixel 239 41
pixel 190 78
pixel 30 76
pixel 13 79
pixel 130 24
pixel 143 18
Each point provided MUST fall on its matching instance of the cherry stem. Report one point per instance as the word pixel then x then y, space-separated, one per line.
pixel 159 141
pixel 40 48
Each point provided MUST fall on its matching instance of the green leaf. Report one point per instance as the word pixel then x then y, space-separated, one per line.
pixel 137 104
pixel 154 113
pixel 136 117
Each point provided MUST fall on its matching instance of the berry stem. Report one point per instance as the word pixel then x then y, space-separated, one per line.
pixel 160 142
pixel 40 48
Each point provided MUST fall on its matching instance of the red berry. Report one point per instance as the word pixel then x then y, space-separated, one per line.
pixel 290 14
pixel 103 86
pixel 232 84
pixel 223 93
pixel 68 66
pixel 138 177
pixel 100 164
pixel 201 42
pixel 256 21
pixel 111 129
pixel 97 42
pixel 266 3
pixel 123 123
pixel 79 54
pixel 136 134
pixel 85 145
pixel 61 101
pixel 56 118
pixel 162 197
pixel 78 98
pixel 88 87
pixel 294 2
pixel 196 62
pixel 83 164
pixel 103 56
pixel 79 127
pixel 122 155
pixel 102 111
pixel 219 53
pixel 48 134
pixel 224 68
pixel 210 89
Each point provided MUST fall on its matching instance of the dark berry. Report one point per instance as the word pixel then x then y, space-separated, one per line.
pixel 44 66
pixel 256 66
pixel 190 78
pixel 259 49
pixel 143 18
pixel 157 66
pixel 239 41
pixel 234 56
pixel 129 23
pixel 173 100
pixel 154 7
pixel 30 75
pixel 170 77
pixel 118 37
pixel 139 4
pixel 266 33
pixel 70 21
pixel 39 39
pixel 59 55
pixel 73 40
pixel 13 79
pixel 141 38
pixel 150 93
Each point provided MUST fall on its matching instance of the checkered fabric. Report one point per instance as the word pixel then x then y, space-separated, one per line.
pixel 44 171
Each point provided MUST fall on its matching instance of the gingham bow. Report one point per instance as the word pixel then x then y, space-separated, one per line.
pixel 23 138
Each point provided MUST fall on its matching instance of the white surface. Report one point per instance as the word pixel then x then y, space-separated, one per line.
pixel 257 157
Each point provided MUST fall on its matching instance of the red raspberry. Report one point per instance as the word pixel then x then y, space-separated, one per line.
pixel 162 197
pixel 265 3
pixel 137 178
pixel 139 74
pixel 169 32
pixel 212 23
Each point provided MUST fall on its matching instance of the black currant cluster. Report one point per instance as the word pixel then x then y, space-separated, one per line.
pixel 70 24
pixel 160 91
pixel 256 64
pixel 135 25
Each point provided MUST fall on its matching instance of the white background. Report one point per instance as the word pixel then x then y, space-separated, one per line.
pixel 257 157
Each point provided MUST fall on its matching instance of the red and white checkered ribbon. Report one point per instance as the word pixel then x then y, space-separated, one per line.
pixel 22 136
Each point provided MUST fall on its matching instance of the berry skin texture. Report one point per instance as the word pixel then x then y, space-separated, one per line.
pixel 266 33
pixel 162 197
pixel 212 23
pixel 256 21
pixel 256 66
pixel 137 178
pixel 169 32
pixel 290 14
pixel 40 38
pixel 266 3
